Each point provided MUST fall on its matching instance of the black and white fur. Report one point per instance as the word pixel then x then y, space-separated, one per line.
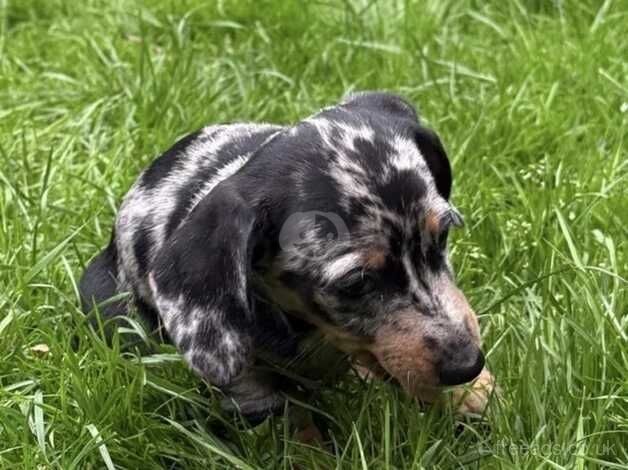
pixel 205 243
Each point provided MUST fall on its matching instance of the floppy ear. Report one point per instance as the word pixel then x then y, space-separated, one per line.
pixel 435 156
pixel 200 285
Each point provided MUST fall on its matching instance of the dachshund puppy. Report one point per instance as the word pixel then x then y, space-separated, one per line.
pixel 246 242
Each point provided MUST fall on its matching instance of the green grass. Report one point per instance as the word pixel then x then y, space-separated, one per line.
pixel 531 100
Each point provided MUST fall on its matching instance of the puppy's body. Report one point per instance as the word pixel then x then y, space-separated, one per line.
pixel 245 240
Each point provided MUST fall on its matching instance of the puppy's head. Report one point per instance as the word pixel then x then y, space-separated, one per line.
pixel 362 241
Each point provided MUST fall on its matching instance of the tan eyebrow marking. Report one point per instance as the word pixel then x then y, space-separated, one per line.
pixel 436 222
pixel 369 258
pixel 374 258
pixel 432 222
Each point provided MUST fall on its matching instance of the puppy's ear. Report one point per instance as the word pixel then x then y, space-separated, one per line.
pixel 200 285
pixel 381 102
pixel 435 156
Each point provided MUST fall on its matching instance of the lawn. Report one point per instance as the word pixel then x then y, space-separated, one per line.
pixel 531 100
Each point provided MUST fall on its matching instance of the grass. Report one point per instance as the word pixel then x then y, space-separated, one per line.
pixel 531 99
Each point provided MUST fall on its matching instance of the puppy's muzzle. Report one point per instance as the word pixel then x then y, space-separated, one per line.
pixel 462 371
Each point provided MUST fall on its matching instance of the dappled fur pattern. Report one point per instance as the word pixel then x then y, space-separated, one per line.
pixel 247 241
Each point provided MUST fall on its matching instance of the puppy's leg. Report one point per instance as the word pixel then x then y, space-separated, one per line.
pixel 254 394
pixel 99 290
pixel 99 284
pixel 216 340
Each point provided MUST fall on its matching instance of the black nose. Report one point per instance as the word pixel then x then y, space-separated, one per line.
pixel 456 373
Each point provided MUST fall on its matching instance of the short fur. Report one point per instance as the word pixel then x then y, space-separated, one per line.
pixel 247 240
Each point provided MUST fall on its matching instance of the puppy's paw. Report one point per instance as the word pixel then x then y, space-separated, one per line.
pixel 469 400
pixel 253 394
pixel 473 399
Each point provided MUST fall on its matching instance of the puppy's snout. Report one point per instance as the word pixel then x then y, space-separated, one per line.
pixel 464 369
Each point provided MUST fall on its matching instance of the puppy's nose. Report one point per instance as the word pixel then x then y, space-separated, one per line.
pixel 457 373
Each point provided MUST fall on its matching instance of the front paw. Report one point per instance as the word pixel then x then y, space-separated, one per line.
pixel 470 400
pixel 473 399
pixel 253 395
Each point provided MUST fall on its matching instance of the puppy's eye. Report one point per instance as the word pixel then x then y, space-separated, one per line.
pixel 356 284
